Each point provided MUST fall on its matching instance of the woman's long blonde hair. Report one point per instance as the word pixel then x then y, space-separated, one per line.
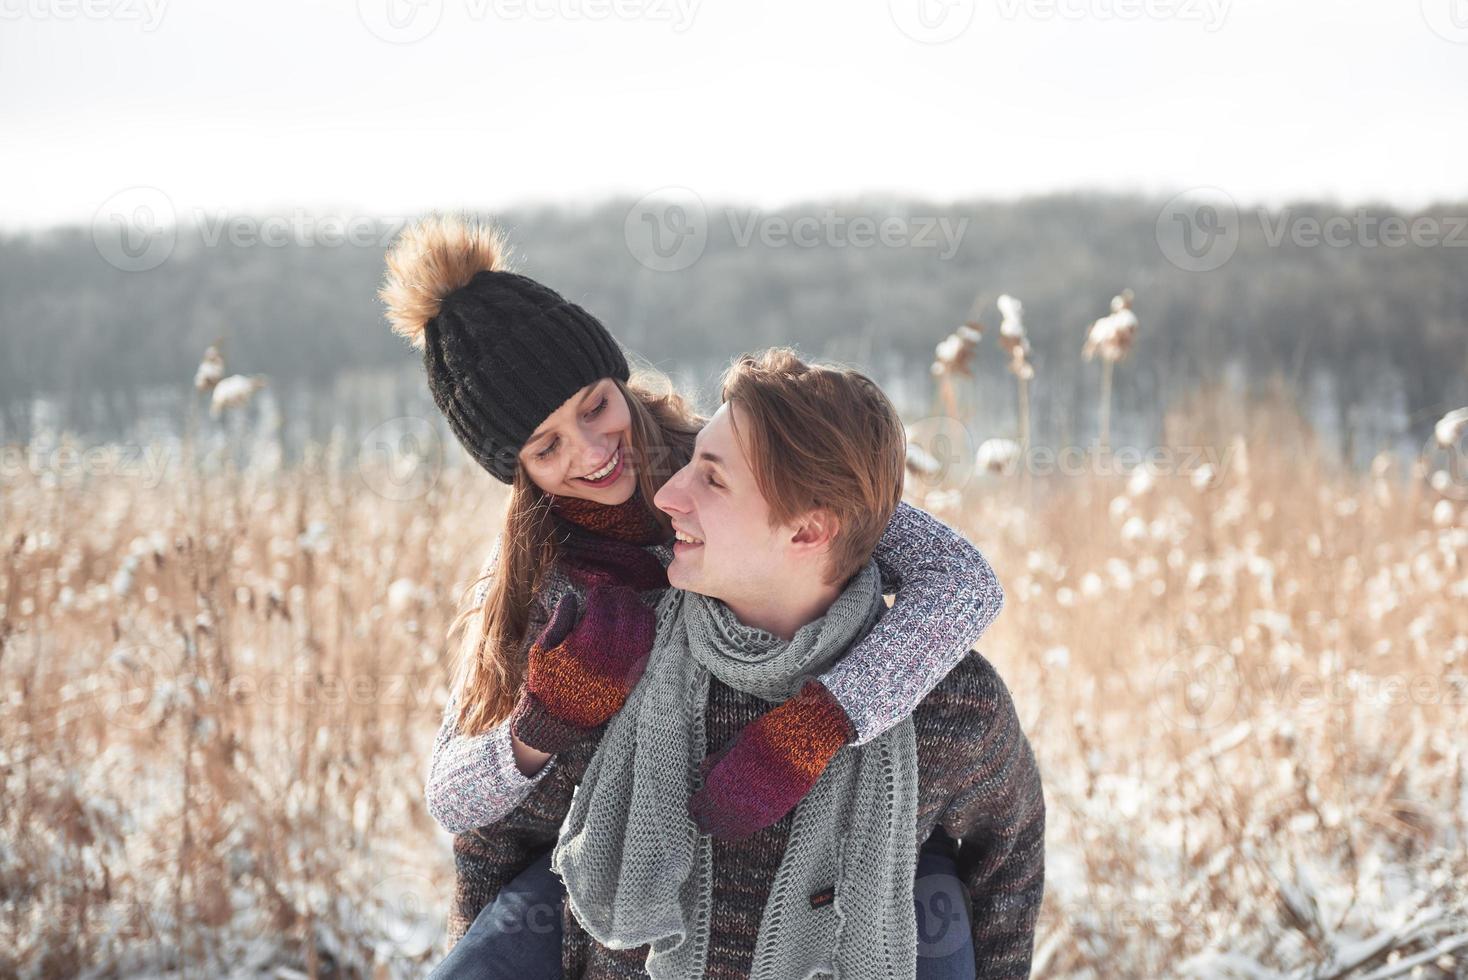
pixel 489 671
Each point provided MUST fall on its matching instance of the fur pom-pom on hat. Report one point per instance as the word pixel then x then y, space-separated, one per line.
pixel 431 259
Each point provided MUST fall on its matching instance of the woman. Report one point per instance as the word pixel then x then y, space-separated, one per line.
pixel 541 396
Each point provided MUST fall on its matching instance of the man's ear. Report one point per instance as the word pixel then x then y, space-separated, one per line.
pixel 815 531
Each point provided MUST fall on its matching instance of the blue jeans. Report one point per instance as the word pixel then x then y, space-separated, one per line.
pixel 518 935
pixel 515 937
pixel 944 940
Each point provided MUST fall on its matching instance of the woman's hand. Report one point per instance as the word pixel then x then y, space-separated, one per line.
pixel 770 766
pixel 582 666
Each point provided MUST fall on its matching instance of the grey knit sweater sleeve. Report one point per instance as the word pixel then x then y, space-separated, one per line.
pixel 946 595
pixel 473 779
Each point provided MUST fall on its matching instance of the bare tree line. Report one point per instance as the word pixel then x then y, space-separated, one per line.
pixel 74 328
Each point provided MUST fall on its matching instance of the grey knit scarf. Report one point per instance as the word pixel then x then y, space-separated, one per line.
pixel 638 872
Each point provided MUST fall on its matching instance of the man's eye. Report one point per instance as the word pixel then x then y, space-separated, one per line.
pixel 709 479
pixel 545 453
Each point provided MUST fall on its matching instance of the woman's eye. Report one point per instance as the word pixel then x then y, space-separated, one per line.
pixel 712 482
pixel 545 453
pixel 597 411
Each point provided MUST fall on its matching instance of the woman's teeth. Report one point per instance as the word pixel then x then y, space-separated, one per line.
pixel 606 470
pixel 685 538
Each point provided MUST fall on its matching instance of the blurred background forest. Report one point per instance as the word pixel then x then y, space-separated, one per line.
pixel 1370 337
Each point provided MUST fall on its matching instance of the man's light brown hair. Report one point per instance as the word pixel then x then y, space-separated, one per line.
pixel 820 436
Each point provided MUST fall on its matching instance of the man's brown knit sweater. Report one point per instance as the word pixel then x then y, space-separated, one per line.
pixel 977 778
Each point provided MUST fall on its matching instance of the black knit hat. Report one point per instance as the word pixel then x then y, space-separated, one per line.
pixel 502 351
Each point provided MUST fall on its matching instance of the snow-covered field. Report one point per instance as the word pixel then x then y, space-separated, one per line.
pixel 1247 688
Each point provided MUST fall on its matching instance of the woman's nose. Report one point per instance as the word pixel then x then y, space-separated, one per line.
pixel 594 451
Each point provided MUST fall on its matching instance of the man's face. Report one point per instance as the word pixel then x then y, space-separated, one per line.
pixel 735 554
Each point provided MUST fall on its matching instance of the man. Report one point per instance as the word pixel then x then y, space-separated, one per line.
pixel 791 483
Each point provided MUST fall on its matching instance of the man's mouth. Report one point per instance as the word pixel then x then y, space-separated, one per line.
pixel 685 539
pixel 608 474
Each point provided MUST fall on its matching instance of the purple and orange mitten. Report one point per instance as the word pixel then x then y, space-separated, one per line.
pixel 582 667
pixel 771 765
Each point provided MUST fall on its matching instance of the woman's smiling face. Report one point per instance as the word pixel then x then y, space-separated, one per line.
pixel 588 436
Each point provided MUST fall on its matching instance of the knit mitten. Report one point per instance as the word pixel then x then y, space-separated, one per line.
pixel 771 765
pixel 582 667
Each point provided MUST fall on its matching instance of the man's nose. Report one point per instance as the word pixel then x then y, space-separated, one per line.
pixel 671 499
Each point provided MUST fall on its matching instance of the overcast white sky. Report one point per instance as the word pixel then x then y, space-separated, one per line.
pixel 295 104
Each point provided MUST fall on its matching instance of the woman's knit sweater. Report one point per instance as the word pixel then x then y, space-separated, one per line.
pixel 977 778
pixel 946 596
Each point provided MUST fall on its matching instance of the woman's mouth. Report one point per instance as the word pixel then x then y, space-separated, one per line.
pixel 608 474
pixel 682 540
